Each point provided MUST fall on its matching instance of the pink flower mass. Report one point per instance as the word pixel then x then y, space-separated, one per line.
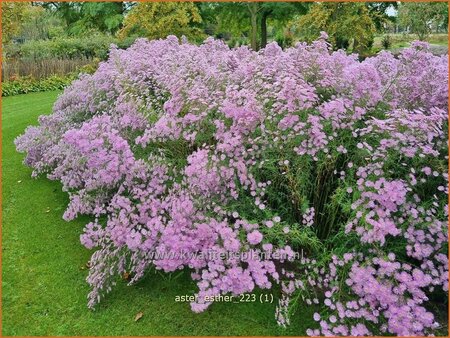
pixel 177 151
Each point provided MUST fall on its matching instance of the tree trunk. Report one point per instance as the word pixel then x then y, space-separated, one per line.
pixel 264 29
pixel 253 8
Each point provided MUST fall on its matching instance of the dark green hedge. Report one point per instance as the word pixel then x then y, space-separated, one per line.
pixel 96 46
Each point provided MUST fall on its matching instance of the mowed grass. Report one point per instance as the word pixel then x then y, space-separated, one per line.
pixel 43 267
pixel 399 40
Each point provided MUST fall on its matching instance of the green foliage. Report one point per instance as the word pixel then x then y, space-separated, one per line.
pixel 52 291
pixel 280 13
pixel 68 11
pixel 96 46
pixel 85 17
pixel 348 25
pixel 100 16
pixel 26 85
pixel 233 17
pixel 13 13
pixel 41 24
pixel 386 42
pixel 159 19
pixel 402 40
pixel 284 38
pixel 420 17
pixel 252 19
pixel 378 13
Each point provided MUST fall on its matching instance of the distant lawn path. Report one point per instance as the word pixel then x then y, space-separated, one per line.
pixel 44 289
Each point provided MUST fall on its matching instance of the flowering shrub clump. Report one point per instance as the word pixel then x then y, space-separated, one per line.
pixel 229 162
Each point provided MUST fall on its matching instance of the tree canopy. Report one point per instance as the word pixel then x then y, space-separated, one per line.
pixel 420 17
pixel 160 19
pixel 13 13
pixel 251 18
pixel 346 24
pixel 81 17
pixel 350 25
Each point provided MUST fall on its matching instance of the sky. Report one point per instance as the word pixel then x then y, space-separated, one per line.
pixel 391 11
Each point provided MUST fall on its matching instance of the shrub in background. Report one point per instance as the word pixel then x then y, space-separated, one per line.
pixel 96 46
pixel 26 85
pixel 386 41
pixel 189 157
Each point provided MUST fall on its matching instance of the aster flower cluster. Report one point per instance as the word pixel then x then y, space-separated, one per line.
pixel 179 151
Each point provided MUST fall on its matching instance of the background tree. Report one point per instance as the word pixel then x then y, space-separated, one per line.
pixel 158 19
pixel 237 18
pixel 420 17
pixel 345 23
pixel 13 14
pixel 252 18
pixel 82 17
pixel 378 13
pixel 41 24
pixel 69 12
pixel 105 17
pixel 279 14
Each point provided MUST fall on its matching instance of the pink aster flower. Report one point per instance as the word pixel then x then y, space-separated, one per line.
pixel 254 237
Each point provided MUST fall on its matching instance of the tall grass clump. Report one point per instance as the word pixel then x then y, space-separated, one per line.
pixel 41 69
pixel 229 162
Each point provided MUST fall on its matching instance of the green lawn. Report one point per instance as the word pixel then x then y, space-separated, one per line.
pixel 44 289
pixel 400 41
